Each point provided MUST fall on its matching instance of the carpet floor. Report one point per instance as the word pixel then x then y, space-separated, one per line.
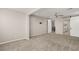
pixel 46 42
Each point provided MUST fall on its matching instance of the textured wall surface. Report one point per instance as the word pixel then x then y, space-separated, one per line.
pixel 36 27
pixel 12 25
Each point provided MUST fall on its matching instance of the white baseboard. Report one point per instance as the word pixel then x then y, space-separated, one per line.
pixel 12 41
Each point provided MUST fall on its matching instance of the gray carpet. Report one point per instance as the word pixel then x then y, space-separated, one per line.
pixel 46 42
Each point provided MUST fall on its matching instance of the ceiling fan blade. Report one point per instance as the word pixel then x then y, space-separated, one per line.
pixel 69 8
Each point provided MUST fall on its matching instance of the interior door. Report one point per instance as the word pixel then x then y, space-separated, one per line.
pixel 74 24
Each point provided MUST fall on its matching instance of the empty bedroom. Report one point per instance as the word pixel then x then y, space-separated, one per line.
pixel 39 29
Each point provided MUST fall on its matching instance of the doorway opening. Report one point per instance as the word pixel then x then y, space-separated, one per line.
pixel 51 26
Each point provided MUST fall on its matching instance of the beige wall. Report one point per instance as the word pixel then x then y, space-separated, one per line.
pixel 36 28
pixel 59 25
pixel 13 25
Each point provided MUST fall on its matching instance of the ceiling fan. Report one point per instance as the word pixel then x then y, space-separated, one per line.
pixel 57 15
pixel 69 8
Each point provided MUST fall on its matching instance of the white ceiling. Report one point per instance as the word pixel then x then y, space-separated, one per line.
pixel 47 12
pixel 23 10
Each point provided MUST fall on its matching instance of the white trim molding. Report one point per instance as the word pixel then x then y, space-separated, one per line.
pixel 12 41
